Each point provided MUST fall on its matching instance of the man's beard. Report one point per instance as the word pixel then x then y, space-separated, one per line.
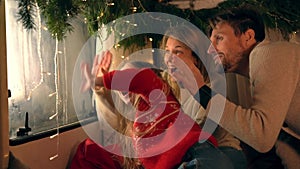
pixel 234 67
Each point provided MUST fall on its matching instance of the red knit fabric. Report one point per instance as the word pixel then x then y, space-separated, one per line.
pixel 90 155
pixel 169 131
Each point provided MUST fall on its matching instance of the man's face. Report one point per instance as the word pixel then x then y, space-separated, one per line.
pixel 228 49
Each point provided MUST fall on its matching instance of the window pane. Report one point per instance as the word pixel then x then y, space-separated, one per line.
pixel 40 73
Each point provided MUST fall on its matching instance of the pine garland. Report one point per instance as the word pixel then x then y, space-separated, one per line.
pixel 278 14
pixel 26 13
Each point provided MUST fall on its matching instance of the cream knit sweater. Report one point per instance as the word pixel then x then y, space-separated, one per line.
pixel 275 79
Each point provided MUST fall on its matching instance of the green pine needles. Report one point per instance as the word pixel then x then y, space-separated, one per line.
pixel 278 14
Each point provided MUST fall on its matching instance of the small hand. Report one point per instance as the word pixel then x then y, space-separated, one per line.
pixel 86 76
pixel 102 63
pixel 101 66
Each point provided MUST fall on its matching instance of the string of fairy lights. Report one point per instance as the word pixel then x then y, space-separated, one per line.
pixel 39 36
pixel 57 52
pixel 57 99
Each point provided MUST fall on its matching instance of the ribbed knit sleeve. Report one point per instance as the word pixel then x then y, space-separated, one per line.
pixel 274 75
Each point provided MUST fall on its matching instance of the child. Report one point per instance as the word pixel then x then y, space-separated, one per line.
pixel 163 135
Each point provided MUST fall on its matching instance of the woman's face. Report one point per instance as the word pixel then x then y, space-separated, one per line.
pixel 179 49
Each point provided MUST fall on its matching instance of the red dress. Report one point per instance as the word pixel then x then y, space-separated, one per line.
pixel 169 132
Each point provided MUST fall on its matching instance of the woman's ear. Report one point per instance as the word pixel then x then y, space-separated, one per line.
pixel 250 37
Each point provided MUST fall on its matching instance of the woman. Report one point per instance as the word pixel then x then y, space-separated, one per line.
pixel 178 41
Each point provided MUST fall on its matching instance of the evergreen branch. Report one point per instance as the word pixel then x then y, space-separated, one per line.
pixel 282 15
pixel 26 10
pixel 57 14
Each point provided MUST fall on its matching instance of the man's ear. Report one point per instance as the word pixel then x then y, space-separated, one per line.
pixel 250 37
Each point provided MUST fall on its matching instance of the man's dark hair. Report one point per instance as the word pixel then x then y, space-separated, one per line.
pixel 241 19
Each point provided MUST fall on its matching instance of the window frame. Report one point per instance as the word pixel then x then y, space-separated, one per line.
pixel 4 143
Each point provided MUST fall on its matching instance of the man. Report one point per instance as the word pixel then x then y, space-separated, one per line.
pixel 274 71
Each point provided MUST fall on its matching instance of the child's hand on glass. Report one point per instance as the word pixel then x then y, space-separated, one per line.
pixel 92 78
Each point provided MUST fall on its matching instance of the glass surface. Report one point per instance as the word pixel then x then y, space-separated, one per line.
pixel 40 70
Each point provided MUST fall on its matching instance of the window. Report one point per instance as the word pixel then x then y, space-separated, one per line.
pixel 41 75
pixel 40 71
